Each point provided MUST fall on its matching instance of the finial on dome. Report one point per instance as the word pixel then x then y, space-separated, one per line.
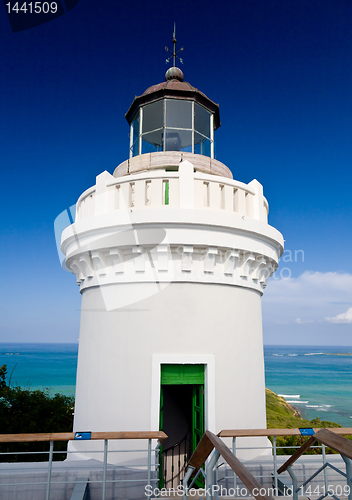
pixel 174 73
pixel 174 55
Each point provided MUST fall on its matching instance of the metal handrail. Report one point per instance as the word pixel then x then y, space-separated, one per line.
pixel 208 442
pixel 70 436
pixel 343 431
pixel 331 438
pixel 335 442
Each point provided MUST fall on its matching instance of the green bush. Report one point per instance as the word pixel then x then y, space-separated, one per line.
pixel 23 411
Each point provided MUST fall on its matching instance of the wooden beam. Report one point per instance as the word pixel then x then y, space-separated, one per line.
pixel 259 432
pixel 202 452
pixel 278 432
pixel 297 454
pixel 242 472
pixel 160 435
pixel 69 436
pixel 29 438
pixel 338 443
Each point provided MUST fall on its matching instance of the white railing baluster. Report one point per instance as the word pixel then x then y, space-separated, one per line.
pixel 50 464
pixel 105 467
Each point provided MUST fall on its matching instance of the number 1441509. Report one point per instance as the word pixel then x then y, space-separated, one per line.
pixel 32 7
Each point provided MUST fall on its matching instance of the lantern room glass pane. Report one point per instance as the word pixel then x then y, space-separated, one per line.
pixel 178 140
pixel 178 113
pixel 202 145
pixel 153 116
pixel 201 120
pixel 153 141
pixel 135 133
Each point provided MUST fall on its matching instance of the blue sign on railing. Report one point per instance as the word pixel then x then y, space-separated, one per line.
pixel 306 431
pixel 83 435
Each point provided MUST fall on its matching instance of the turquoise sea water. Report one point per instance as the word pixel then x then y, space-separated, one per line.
pixel 320 376
pixel 35 366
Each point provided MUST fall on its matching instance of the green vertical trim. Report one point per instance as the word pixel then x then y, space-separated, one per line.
pixel 161 423
pixel 166 192
pixel 197 421
pixel 197 414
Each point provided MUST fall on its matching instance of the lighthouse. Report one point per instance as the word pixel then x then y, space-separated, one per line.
pixel 172 256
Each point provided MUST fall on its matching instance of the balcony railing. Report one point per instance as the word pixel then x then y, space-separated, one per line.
pixel 263 479
pixel 72 481
pixel 163 189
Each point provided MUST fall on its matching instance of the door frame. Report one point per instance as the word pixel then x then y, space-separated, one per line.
pixel 209 385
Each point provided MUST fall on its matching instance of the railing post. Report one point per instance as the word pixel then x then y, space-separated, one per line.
pixel 50 464
pixel 294 483
pixel 209 474
pixel 149 462
pixel 157 463
pixel 188 474
pixel 275 466
pixel 234 474
pixel 105 466
pixel 348 463
pixel 326 469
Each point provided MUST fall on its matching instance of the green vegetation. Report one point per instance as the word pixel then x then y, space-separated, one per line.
pixel 24 411
pixel 281 415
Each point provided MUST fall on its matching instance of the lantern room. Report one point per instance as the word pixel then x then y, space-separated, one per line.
pixel 173 116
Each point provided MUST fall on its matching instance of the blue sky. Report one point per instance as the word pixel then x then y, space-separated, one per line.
pixel 282 74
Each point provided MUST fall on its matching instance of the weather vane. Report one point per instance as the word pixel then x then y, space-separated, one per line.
pixel 174 55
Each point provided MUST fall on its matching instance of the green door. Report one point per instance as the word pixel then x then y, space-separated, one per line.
pixel 197 414
pixel 189 399
pixel 186 374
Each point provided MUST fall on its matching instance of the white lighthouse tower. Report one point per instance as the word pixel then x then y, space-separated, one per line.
pixel 172 256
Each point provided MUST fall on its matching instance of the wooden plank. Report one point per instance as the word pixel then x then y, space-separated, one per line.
pixel 338 443
pixel 68 436
pixel 130 435
pixel 202 452
pixel 297 454
pixel 29 438
pixel 259 432
pixel 242 472
pixel 344 431
pixel 277 432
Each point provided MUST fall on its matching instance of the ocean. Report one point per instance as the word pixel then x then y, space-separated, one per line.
pixel 316 380
pixel 38 366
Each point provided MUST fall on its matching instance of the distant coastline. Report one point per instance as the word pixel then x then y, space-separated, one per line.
pixel 339 353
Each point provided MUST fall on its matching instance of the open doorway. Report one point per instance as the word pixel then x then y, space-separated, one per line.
pixel 181 418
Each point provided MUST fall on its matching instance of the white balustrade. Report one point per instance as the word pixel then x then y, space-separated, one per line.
pixel 161 189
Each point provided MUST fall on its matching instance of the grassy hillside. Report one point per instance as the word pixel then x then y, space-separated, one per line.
pixel 281 415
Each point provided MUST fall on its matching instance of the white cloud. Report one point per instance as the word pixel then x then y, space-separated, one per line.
pixel 300 321
pixel 309 298
pixel 345 317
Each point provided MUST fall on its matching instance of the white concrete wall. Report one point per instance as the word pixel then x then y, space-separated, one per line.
pixel 217 325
